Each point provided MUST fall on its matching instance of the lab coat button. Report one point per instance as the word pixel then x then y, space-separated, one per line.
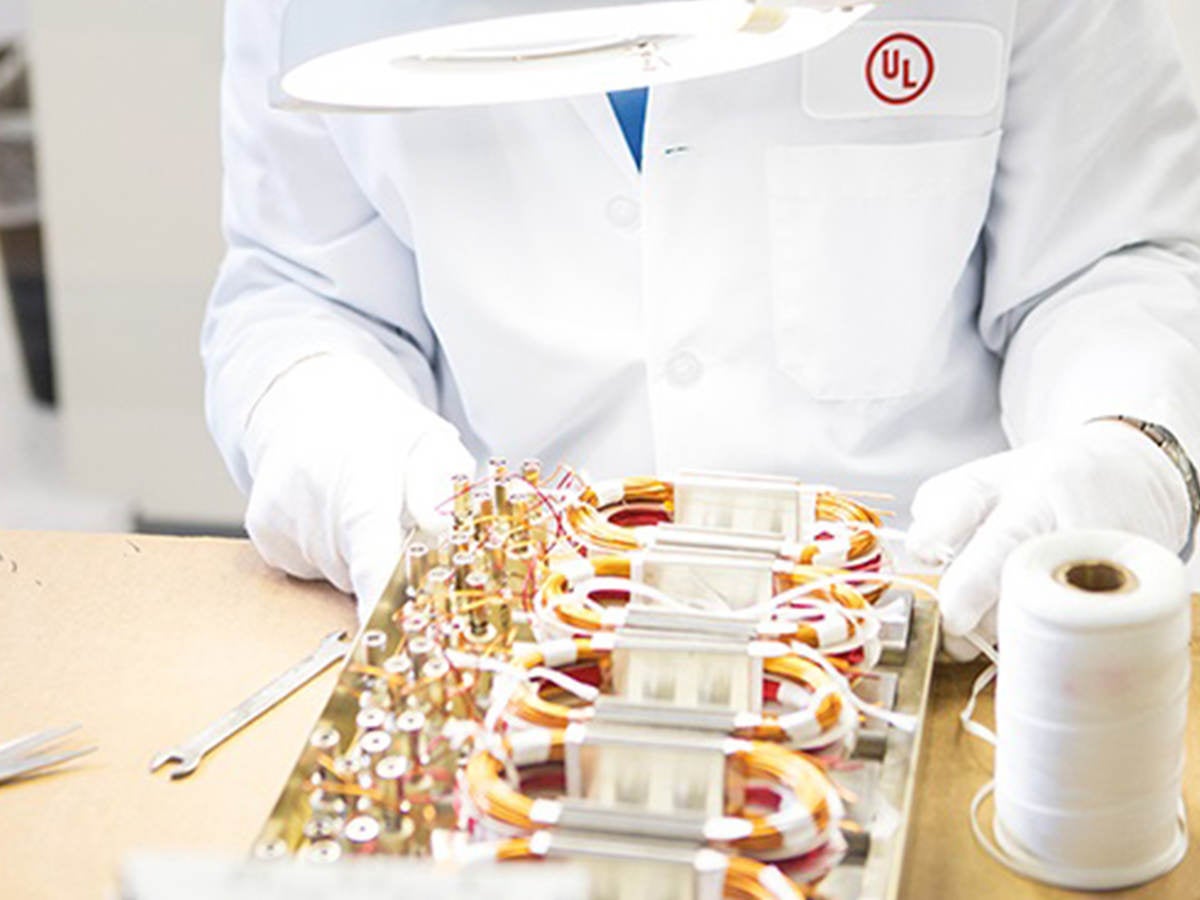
pixel 684 369
pixel 623 212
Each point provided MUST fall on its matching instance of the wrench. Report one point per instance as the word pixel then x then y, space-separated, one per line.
pixel 188 754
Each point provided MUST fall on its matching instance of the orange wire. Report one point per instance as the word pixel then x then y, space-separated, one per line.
pixel 587 517
pixel 743 881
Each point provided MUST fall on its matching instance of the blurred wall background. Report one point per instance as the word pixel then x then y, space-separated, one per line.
pixel 1187 19
pixel 126 99
pixel 125 93
pixel 13 16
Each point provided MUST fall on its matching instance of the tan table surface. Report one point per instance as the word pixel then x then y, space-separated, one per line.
pixel 144 640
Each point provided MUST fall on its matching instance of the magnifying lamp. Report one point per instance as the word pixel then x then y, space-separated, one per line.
pixel 405 54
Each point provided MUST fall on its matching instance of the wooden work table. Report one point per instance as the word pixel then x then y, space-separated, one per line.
pixel 144 640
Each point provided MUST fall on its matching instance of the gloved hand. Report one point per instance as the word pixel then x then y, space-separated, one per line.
pixel 1101 475
pixel 338 453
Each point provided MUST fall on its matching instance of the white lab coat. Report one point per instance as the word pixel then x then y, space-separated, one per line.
pixel 803 279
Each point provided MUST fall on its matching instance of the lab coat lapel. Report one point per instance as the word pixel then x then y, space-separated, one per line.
pixel 597 113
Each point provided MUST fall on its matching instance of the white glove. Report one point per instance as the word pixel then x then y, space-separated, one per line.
pixel 1101 475
pixel 337 454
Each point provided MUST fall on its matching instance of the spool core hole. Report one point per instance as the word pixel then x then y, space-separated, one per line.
pixel 1097 577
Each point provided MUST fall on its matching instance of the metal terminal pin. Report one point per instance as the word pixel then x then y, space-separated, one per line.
pixel 463 562
pixel 461 485
pixel 376 696
pixel 272 849
pixel 480 564
pixel 442 550
pixel 460 540
pixel 462 704
pixel 321 828
pixel 400 671
pixel 375 743
pixel 501 616
pixel 325 739
pixel 495 553
pixel 477 611
pixel 531 471
pixel 439 583
pixel 372 646
pixel 396 839
pixel 389 774
pixel 497 558
pixel 486 512
pixel 410 726
pixel 327 851
pixel 371 719
pixel 416 567
pixel 399 666
pixel 520 564
pixel 521 511
pixel 415 623
pixel 418 791
pixel 434 674
pixel 480 640
pixel 326 804
pixel 346 767
pixel 498 473
pixel 420 648
pixel 362 834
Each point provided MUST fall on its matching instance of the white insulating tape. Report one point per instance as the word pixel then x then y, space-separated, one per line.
pixel 575 570
pixel 531 746
pixel 793 695
pixel 831 629
pixel 545 812
pixel 776 883
pixel 1090 710
pixel 560 652
pixel 608 493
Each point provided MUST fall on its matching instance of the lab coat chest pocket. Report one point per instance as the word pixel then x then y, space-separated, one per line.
pixel 868 243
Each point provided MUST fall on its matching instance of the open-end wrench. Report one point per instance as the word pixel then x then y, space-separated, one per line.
pixel 188 754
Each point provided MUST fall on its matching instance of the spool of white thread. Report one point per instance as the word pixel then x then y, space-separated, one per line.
pixel 1091 703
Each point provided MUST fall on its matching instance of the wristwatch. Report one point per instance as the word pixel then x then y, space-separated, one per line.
pixel 1169 444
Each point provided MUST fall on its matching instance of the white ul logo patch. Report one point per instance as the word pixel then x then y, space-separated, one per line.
pixel 900 69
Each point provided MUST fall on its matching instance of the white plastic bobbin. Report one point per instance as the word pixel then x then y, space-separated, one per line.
pixel 808 507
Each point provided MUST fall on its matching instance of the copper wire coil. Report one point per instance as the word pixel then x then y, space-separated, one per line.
pixel 789 769
pixel 534 707
pixel 495 797
pixel 743 878
pixel 590 520
pixel 743 881
pixel 775 763
pixel 556 586
pixel 639 490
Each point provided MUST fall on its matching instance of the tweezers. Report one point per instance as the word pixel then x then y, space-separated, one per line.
pixel 32 752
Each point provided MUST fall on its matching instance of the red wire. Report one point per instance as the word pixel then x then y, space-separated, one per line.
pixel 634 517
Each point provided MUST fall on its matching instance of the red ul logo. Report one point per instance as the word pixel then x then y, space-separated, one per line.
pixel 900 69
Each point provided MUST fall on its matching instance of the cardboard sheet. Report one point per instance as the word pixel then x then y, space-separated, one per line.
pixel 145 640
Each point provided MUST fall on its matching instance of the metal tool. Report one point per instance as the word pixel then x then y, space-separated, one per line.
pixel 333 647
pixel 19 757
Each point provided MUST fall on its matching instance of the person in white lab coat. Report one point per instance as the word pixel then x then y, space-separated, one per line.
pixel 960 231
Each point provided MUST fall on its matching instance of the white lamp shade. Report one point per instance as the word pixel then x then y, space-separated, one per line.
pixel 405 54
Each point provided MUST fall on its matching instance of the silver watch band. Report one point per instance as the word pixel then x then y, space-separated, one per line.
pixel 1169 444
